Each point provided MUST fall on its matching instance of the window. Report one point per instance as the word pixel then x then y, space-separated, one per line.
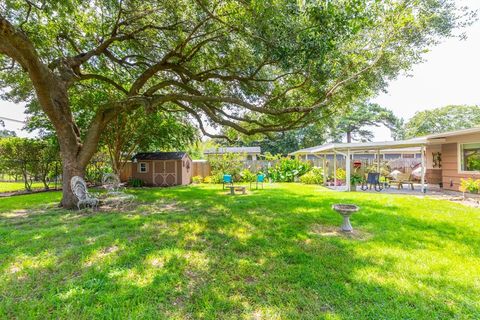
pixel 470 157
pixel 143 167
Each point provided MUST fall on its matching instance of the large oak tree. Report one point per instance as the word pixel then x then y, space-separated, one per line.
pixel 255 66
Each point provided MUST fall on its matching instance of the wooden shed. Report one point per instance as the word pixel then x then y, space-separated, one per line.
pixel 162 168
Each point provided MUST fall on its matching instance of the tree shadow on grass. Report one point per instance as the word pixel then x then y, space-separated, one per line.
pixel 216 256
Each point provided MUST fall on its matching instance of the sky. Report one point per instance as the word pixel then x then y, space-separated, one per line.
pixel 449 75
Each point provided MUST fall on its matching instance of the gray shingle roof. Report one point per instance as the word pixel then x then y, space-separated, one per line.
pixel 234 150
pixel 159 156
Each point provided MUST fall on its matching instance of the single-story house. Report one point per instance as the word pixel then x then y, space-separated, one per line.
pixel 251 153
pixel 446 157
pixel 162 168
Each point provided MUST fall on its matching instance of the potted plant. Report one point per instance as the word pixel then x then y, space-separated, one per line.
pixel 355 179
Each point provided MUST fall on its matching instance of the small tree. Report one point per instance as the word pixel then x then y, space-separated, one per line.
pixel 24 157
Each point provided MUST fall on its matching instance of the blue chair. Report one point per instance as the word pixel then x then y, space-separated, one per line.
pixel 260 179
pixel 227 179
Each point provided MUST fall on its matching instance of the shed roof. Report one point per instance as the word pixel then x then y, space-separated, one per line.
pixel 159 156
pixel 233 150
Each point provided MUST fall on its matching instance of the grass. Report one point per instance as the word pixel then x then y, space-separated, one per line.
pixel 194 252
pixel 20 186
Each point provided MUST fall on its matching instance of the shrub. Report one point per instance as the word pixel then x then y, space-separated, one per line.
pixel 135 183
pixel 469 185
pixel 314 176
pixel 197 179
pixel 248 176
pixel 217 178
pixel 287 170
pixel 341 174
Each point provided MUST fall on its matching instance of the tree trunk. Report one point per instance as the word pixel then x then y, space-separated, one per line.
pixel 349 136
pixel 71 168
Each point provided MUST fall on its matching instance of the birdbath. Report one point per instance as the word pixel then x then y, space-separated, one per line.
pixel 345 210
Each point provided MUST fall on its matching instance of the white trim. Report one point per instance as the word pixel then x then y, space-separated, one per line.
pixel 459 159
pixel 139 167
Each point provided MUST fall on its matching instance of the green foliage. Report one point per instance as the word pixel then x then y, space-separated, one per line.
pixel 356 178
pixel 140 131
pixel 448 118
pixel 4 133
pixel 353 123
pixel 255 66
pixel 214 179
pixel 135 183
pixel 227 163
pixel 287 170
pixel 248 176
pixel 32 159
pixel 197 179
pixel 469 185
pixel 341 174
pixel 314 176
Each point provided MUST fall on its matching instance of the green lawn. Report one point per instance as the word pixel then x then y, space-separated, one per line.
pixel 194 252
pixel 20 186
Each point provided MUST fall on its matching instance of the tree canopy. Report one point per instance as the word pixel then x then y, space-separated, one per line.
pixel 448 118
pixel 257 66
pixel 354 124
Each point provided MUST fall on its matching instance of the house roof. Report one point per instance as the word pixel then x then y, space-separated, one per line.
pixel 233 150
pixel 385 145
pixel 453 133
pixel 159 156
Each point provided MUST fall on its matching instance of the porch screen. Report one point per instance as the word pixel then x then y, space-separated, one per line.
pixel 470 157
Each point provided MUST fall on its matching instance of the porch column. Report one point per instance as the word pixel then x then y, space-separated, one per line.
pixel 325 169
pixel 348 169
pixel 424 189
pixel 378 160
pixel 334 168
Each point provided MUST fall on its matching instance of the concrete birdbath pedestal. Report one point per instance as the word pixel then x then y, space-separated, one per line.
pixel 345 210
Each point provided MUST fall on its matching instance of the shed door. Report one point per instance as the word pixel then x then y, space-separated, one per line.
pixel 165 173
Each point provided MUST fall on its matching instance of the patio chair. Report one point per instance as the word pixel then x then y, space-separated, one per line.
pixel 227 180
pixel 373 179
pixel 260 179
pixel 79 189
pixel 401 179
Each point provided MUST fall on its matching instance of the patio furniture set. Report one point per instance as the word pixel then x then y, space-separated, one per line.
pixel 228 183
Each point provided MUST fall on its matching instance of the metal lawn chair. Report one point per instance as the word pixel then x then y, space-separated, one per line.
pixel 260 179
pixel 79 189
pixel 227 180
pixel 373 180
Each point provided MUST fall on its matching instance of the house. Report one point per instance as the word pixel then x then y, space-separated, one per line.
pixel 251 153
pixel 453 156
pixel 162 168
pixel 446 158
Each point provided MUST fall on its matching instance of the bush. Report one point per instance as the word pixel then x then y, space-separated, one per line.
pixel 135 183
pixel 314 176
pixel 287 170
pixel 469 185
pixel 248 176
pixel 197 179
pixel 215 179
pixel 341 174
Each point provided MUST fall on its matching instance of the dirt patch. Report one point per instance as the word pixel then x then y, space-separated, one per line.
pixel 329 231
